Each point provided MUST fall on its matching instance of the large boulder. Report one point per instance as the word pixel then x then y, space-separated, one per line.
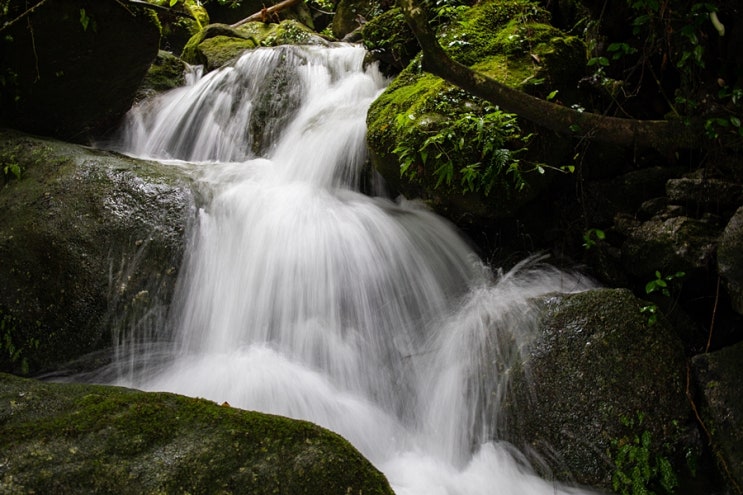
pixel 72 438
pixel 90 243
pixel 71 68
pixel 600 378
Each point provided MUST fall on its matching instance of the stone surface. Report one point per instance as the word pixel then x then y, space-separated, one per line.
pixel 718 376
pixel 598 373
pixel 730 259
pixel 73 438
pixel 90 242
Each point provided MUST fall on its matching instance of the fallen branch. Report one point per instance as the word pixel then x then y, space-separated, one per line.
pixel 662 135
pixel 264 14
pixel 162 8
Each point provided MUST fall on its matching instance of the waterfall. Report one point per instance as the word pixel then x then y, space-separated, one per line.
pixel 303 297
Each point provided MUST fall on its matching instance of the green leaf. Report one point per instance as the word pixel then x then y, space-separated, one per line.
pixel 84 19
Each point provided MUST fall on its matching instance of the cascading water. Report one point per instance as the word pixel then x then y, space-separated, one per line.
pixel 303 297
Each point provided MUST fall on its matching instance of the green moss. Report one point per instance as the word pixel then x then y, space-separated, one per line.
pixel 71 438
pixel 389 40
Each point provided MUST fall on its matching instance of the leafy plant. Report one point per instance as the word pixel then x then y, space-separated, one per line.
pixel 661 283
pixel 12 169
pixel 12 348
pixel 592 237
pixel 471 150
pixel 639 469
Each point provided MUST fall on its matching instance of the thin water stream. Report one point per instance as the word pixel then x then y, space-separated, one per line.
pixel 303 297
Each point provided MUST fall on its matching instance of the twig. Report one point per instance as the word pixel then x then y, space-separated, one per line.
pixel 265 12
pixel 22 16
pixel 714 315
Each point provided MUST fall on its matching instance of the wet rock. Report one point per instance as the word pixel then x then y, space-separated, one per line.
pixel 90 243
pixel 72 438
pixel 72 68
pixel 166 72
pixel 598 374
pixel 718 376
pixel 730 260
pixel 705 194
pixel 669 245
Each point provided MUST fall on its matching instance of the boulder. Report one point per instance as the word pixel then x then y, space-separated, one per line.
pixel 74 438
pixel 166 72
pixel 668 243
pixel 219 44
pixel 72 68
pixel 718 376
pixel 90 243
pixel 730 261
pixel 599 377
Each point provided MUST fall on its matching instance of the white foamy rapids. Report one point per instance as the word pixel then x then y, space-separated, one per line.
pixel 302 297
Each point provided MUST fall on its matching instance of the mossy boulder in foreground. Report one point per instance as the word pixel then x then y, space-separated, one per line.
pixel 74 438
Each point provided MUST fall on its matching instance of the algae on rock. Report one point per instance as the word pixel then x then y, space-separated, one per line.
pixel 76 438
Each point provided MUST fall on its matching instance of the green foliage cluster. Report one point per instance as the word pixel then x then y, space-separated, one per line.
pixel 663 285
pixel 14 348
pixel 672 37
pixel 639 469
pixel 463 140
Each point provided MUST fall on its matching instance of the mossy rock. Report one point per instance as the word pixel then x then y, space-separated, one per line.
pixel 390 41
pixel 178 28
pixel 512 43
pixel 73 76
pixel 219 44
pixel 74 438
pixel 216 45
pixel 166 72
pixel 90 244
pixel 599 375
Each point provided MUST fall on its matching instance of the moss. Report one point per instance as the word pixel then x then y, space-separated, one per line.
pixel 71 438
pixel 218 44
pixel 389 40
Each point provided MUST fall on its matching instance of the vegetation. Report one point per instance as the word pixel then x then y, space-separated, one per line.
pixel 639 469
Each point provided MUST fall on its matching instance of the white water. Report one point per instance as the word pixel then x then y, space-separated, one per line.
pixel 303 297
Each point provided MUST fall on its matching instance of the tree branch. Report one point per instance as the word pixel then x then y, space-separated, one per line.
pixel 662 135
pixel 265 13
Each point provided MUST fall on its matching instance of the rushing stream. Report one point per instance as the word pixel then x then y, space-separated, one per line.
pixel 303 297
